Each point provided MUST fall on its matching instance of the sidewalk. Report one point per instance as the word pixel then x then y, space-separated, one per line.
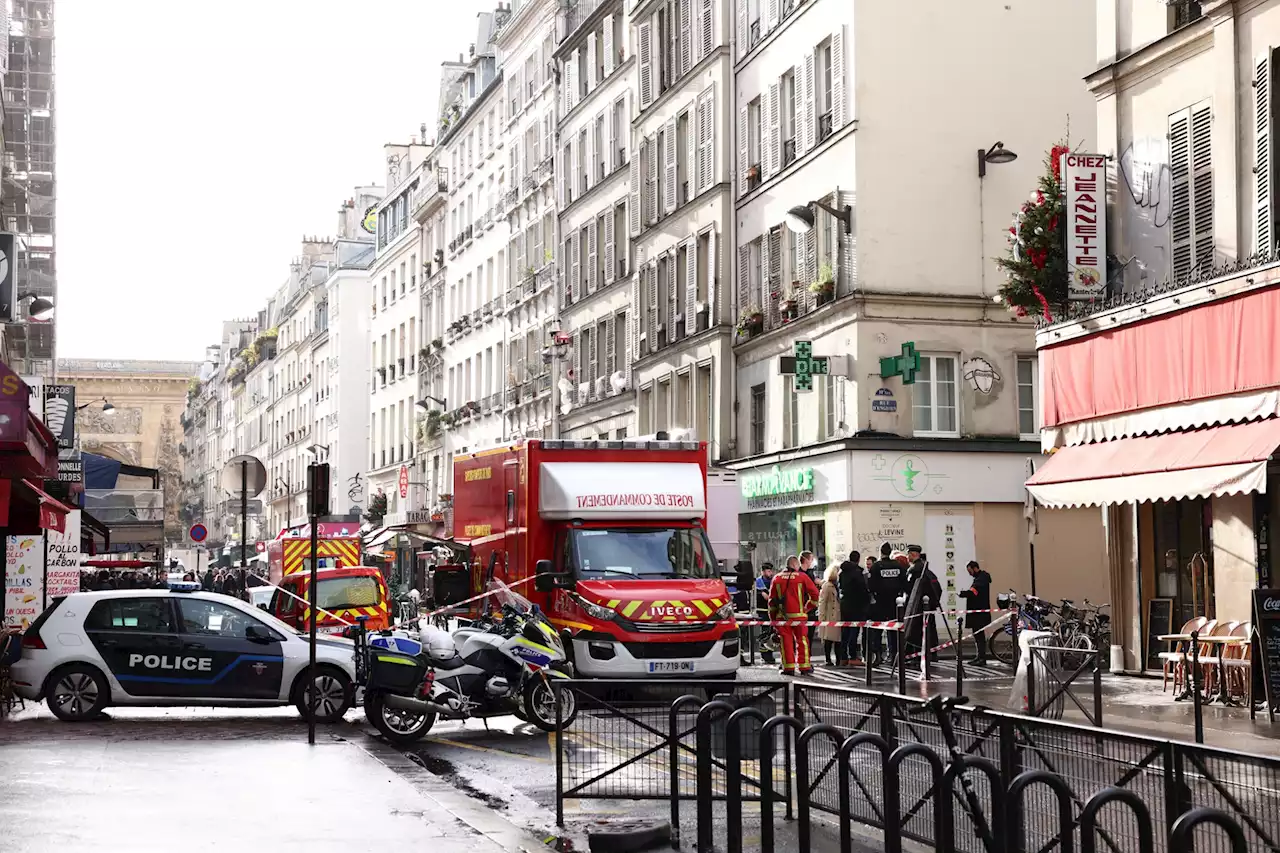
pixel 252 783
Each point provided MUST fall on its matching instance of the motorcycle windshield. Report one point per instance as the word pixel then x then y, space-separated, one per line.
pixel 500 594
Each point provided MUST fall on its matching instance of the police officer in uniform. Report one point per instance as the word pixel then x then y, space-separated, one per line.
pixel 930 588
pixel 791 596
pixel 885 585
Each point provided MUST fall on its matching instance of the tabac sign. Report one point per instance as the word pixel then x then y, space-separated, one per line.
pixel 1084 190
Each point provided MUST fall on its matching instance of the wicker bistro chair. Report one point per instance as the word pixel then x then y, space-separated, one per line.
pixel 1238 662
pixel 1174 660
pixel 1209 672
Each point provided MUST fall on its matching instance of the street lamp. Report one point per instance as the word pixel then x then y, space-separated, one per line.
pixel 41 308
pixel 422 405
pixel 997 154
pixel 315 449
pixel 801 217
pixel 107 408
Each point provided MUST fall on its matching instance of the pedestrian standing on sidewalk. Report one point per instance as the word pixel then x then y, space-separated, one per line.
pixel 854 603
pixel 922 627
pixel 791 596
pixel 809 565
pixel 978 597
pixel 885 585
pixel 829 611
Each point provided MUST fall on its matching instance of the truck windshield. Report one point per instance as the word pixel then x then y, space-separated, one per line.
pixel 342 593
pixel 643 553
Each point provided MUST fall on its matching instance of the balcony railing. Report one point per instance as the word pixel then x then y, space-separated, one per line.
pixel 824 125
pixel 576 15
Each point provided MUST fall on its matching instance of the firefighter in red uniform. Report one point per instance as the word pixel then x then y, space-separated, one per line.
pixel 791 596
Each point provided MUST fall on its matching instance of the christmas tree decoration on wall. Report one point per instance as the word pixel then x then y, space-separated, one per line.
pixel 1036 262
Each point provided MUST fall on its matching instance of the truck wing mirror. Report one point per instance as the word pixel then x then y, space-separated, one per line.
pixel 548 580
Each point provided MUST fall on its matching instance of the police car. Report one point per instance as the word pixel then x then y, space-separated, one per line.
pixel 177 646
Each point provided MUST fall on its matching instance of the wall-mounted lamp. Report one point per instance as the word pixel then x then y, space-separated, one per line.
pixel 41 308
pixel 997 154
pixel 422 405
pixel 800 218
pixel 107 408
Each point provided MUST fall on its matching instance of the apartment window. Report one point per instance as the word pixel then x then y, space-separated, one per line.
pixel 934 405
pixel 662 406
pixel 1028 399
pixel 684 400
pixel 757 419
pixel 788 117
pixel 644 412
pixel 403 282
pixel 795 263
pixel 413 272
pixel 384 291
pixel 790 413
pixel 823 93
pixel 704 395
pixel 683 191
pixel 1183 13
pixel 754 136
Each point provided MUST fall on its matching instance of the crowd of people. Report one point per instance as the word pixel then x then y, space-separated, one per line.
pixel 233 582
pixel 855 592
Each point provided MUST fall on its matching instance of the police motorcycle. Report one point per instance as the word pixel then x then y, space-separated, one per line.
pixel 500 664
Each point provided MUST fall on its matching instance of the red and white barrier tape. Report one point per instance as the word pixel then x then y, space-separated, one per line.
pixel 986 629
pixel 473 599
pixel 892 625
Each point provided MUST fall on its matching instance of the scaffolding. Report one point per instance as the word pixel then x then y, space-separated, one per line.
pixel 28 186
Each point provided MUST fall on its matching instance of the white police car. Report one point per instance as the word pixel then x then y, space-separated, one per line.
pixel 176 646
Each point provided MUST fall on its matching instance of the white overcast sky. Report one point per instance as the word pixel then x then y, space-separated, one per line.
pixel 199 140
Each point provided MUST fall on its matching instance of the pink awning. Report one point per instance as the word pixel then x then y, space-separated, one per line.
pixel 1222 460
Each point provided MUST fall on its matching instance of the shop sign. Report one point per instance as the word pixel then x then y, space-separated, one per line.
pixel 776 487
pixel 1084 183
pixel 24 580
pixel 60 414
pixel 883 401
pixel 63 575
pixel 70 467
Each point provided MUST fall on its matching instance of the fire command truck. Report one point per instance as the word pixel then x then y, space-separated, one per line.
pixel 609 539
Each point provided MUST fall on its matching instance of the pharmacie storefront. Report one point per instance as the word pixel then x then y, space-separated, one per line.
pixel 1165 413
pixel 958 504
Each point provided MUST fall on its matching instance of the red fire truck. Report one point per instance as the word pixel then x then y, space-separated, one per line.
pixel 613 535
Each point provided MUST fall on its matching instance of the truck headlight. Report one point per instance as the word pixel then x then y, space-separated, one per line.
pixel 726 612
pixel 596 611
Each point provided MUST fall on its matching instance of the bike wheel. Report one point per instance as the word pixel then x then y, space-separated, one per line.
pixel 1002 647
pixel 1080 647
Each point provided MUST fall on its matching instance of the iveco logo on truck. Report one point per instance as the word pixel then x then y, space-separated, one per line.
pixel 671 611
pixel 175 662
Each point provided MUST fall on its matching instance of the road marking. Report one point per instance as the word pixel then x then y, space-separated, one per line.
pixel 489 749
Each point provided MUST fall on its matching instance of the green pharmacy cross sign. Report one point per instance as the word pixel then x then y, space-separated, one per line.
pixel 803 366
pixel 906 365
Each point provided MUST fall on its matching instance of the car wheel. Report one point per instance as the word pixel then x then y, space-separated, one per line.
pixel 333 691
pixel 77 693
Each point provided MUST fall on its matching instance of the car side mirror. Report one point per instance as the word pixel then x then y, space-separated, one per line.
pixel 262 607
pixel 548 580
pixel 257 634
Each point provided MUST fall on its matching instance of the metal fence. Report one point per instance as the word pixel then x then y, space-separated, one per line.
pixel 1013 783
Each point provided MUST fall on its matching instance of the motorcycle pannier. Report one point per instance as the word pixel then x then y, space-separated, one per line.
pixel 395 672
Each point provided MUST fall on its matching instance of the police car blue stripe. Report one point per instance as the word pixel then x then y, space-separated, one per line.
pixel 164 679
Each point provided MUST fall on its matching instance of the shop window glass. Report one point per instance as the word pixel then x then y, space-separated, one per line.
pixel 1184 564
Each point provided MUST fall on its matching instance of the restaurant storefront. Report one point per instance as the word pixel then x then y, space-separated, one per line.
pixel 1166 414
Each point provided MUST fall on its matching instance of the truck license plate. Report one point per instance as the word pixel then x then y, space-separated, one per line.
pixel 671 666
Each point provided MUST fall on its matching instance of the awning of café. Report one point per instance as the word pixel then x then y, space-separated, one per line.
pixel 26 509
pixel 1221 460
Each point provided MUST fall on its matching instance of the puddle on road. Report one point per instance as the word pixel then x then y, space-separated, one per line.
pixel 449 773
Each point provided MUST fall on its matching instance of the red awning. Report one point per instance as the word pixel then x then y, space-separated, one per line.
pixel 27 448
pixel 53 512
pixel 1223 460
pixel 26 509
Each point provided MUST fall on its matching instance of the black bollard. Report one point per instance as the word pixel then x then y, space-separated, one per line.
pixel 959 656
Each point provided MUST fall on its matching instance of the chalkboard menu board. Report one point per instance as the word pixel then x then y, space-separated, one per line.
pixel 1266 622
pixel 1159 621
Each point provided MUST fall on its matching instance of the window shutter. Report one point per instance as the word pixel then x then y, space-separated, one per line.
pixel 769 299
pixel 806 120
pixel 706 132
pixel 575 169
pixel 673 293
pixel 653 306
pixel 651 181
pixel 691 156
pixel 644 33
pixel 546 136
pixel 743 151
pixel 633 323
pixel 1180 173
pixel 690 285
pixel 669 176
pixel 1202 186
pixel 610 353
pixel 773 244
pixel 771 15
pixel 610 158
pixel 686 37
pixel 744 281
pixel 594 355
pixel 1262 170
pixel 744 35
pixel 707 28
pixel 610 53
pixel 575 264
pixel 577 364
pixel 810 249
pixel 591 61
pixel 592 258
pixel 610 254
pixel 838 109
pixel 713 270
pixel 633 201
pixel 774 141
